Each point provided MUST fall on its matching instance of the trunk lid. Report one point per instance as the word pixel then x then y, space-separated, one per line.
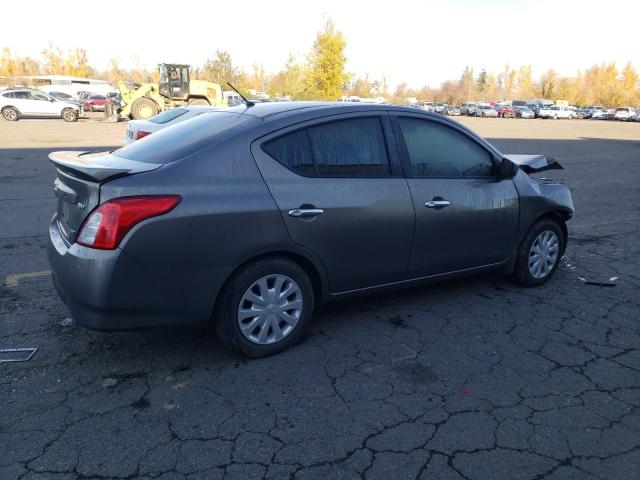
pixel 77 185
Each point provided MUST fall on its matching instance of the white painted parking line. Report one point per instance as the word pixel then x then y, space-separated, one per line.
pixel 14 280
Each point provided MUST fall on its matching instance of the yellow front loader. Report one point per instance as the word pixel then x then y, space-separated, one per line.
pixel 174 89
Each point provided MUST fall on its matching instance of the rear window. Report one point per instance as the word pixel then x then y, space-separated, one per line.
pixel 167 116
pixel 185 138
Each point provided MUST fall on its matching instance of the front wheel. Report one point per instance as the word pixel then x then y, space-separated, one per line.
pixel 69 115
pixel 144 108
pixel 539 254
pixel 10 114
pixel 265 308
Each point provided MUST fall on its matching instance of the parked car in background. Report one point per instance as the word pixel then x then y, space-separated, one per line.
pixel 24 102
pixel 465 108
pixel 537 104
pixel 485 110
pixel 636 116
pixel 96 103
pixel 137 129
pixel 114 98
pixel 440 108
pixel 599 113
pixel 225 218
pixel 555 112
pixel 524 112
pixel 624 114
pixel 583 113
pixel 452 110
pixel 505 111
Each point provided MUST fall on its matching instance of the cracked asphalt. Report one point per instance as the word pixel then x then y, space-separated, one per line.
pixel 471 379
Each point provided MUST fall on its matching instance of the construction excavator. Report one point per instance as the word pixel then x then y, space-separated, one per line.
pixel 141 101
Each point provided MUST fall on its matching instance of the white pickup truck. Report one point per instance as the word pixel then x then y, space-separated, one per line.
pixel 555 112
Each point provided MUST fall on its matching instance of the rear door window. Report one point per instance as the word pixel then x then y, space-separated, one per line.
pixel 344 148
pixel 292 151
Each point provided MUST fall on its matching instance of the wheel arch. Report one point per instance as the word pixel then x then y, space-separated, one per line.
pixel 11 106
pixel 312 267
pixel 559 215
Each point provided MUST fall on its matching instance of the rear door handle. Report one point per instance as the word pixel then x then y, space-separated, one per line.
pixel 437 203
pixel 305 212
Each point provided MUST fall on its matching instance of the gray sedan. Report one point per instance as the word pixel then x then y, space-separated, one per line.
pixel 251 216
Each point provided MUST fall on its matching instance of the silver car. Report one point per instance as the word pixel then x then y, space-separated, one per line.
pixel 249 217
pixel 486 111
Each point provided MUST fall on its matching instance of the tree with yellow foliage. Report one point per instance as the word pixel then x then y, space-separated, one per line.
pixel 326 76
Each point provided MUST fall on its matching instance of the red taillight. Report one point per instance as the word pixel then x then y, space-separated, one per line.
pixel 110 222
pixel 140 134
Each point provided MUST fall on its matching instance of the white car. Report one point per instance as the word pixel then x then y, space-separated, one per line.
pixel 137 129
pixel 486 110
pixel 624 114
pixel 23 102
pixel 555 112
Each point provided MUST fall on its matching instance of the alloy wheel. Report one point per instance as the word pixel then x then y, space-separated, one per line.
pixel 543 254
pixel 270 309
pixel 9 114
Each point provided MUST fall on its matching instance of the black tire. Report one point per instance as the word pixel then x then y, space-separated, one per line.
pixel 10 114
pixel 521 271
pixel 69 115
pixel 226 312
pixel 197 101
pixel 144 108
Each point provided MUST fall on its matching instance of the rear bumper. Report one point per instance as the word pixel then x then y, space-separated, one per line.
pixel 109 290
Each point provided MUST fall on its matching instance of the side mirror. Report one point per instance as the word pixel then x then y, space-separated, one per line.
pixel 507 169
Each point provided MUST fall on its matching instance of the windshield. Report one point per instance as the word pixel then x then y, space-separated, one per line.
pixel 167 116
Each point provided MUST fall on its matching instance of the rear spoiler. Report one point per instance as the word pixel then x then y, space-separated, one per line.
pixel 98 166
pixel 534 163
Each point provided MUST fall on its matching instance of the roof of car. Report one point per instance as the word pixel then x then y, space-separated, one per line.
pixel 266 110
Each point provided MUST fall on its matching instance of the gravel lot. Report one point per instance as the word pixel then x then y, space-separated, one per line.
pixel 470 379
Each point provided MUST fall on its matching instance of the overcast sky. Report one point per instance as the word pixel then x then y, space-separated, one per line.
pixel 420 42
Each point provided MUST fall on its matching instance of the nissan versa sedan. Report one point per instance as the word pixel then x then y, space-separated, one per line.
pixel 248 217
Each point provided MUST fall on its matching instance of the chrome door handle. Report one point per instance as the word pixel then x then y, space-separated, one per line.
pixel 305 212
pixel 437 203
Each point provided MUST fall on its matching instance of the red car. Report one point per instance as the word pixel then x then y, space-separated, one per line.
pixel 96 103
pixel 505 111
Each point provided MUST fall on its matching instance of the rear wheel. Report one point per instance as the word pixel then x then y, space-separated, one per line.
pixel 197 101
pixel 10 114
pixel 144 108
pixel 69 115
pixel 539 253
pixel 265 307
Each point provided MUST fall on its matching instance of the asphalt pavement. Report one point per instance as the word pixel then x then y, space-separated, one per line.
pixel 470 379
